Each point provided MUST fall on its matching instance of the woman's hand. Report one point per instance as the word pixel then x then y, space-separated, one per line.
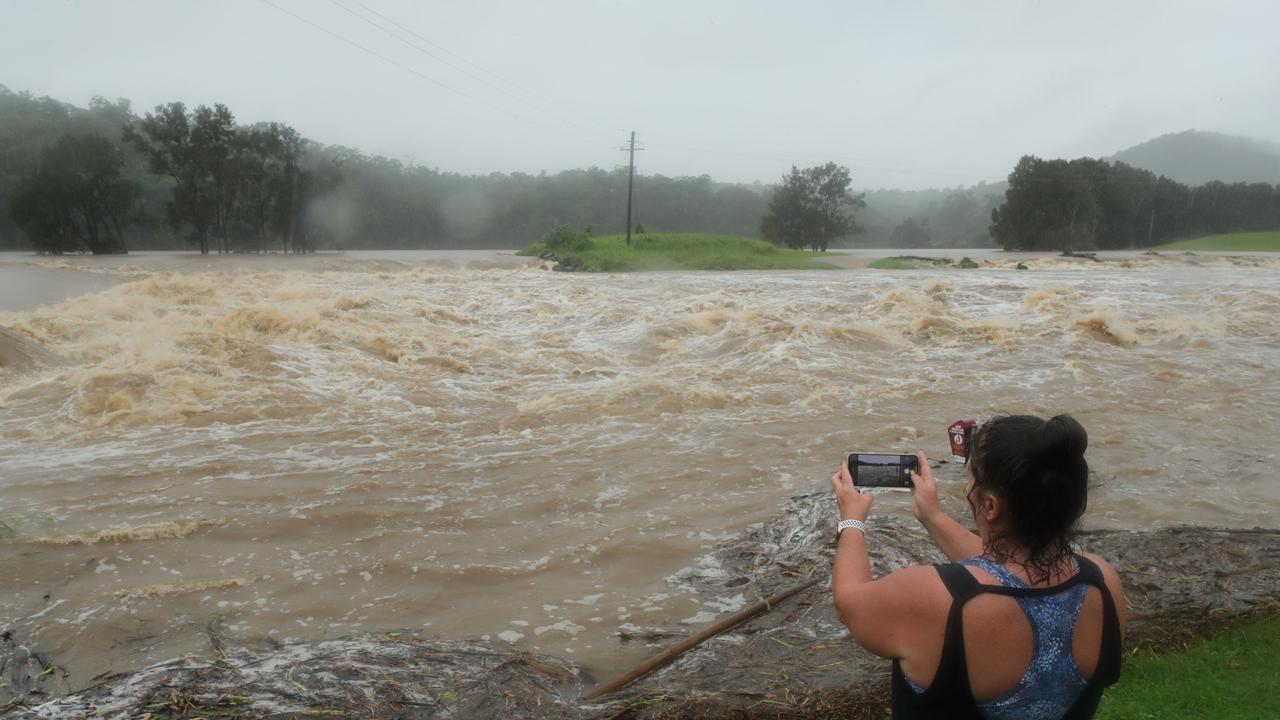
pixel 854 504
pixel 924 493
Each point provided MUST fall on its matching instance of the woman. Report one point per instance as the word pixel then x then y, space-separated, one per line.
pixel 1017 625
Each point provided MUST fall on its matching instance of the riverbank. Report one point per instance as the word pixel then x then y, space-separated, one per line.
pixel 796 662
pixel 1231 242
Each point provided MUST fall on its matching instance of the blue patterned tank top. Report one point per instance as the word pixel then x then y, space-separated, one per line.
pixel 1052 681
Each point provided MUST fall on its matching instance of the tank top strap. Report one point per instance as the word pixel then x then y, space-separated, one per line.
pixel 953 671
pixel 1107 671
pixel 959 582
pixel 1090 572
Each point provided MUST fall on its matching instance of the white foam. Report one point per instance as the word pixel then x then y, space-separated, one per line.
pixel 701 618
pixel 564 626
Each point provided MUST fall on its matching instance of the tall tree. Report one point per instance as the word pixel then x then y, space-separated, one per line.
pixel 266 158
pixel 215 150
pixel 77 198
pixel 174 146
pixel 812 207
pixel 1049 205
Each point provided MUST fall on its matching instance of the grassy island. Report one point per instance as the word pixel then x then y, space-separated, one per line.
pixel 916 262
pixel 669 251
pixel 1232 242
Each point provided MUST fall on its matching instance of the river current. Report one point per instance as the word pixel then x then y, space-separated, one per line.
pixel 330 447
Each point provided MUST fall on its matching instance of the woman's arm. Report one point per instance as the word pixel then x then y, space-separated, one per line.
pixel 955 541
pixel 879 613
pixel 852 566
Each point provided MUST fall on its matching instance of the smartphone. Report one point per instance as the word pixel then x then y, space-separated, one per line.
pixel 875 470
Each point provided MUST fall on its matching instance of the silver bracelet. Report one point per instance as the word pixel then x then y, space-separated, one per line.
pixel 855 524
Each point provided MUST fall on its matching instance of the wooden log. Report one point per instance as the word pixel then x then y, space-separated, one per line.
pixel 693 641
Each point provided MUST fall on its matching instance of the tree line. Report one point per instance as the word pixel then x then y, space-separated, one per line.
pixel 1089 203
pixel 222 186
pixel 104 179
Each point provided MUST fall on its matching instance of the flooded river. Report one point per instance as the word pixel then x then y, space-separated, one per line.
pixel 316 447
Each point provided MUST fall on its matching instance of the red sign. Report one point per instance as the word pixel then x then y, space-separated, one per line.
pixel 959 433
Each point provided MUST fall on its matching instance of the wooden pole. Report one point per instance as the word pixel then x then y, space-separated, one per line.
pixel 631 173
pixel 689 643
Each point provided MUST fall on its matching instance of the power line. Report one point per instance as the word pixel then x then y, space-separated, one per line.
pixel 789 157
pixel 536 96
pixel 440 59
pixel 389 61
pixel 533 94
pixel 507 112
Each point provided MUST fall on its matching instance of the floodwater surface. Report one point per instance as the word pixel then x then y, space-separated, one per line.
pixel 357 444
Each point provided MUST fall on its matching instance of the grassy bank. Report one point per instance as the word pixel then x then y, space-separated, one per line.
pixel 1233 675
pixel 677 251
pixel 1234 242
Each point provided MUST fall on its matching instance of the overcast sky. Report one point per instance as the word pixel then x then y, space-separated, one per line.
pixel 908 94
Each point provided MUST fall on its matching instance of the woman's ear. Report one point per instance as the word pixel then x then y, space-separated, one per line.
pixel 991 508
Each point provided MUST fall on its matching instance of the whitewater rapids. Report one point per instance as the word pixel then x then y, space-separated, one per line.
pixel 539 458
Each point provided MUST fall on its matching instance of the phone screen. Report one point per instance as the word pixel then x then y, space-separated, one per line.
pixel 873 470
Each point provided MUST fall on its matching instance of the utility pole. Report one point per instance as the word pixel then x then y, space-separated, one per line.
pixel 631 174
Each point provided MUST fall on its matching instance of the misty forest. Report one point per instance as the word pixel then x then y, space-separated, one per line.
pixel 104 179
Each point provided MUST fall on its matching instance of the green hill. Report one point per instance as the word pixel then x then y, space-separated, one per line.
pixel 1195 157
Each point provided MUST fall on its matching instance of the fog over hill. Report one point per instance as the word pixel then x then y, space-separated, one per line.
pixel 1195 157
pixel 1191 157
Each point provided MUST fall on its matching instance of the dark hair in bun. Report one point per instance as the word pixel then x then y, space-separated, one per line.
pixel 1037 469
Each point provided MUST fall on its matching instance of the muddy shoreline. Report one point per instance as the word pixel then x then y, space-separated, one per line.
pixel 796 661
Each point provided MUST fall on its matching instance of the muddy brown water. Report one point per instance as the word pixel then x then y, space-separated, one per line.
pixel 334 445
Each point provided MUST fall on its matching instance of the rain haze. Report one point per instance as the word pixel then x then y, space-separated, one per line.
pixel 350 368
pixel 907 95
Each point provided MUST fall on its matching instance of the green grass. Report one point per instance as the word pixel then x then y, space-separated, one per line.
pixel 1234 242
pixel 683 251
pixel 915 262
pixel 1235 675
pixel 906 262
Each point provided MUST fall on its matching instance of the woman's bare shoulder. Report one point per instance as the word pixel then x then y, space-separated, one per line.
pixel 1108 572
pixel 918 584
pixel 1114 585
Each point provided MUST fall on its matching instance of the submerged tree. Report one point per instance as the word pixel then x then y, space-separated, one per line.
pixel 77 198
pixel 269 161
pixel 166 138
pixel 811 208
pixel 234 187
pixel 216 150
